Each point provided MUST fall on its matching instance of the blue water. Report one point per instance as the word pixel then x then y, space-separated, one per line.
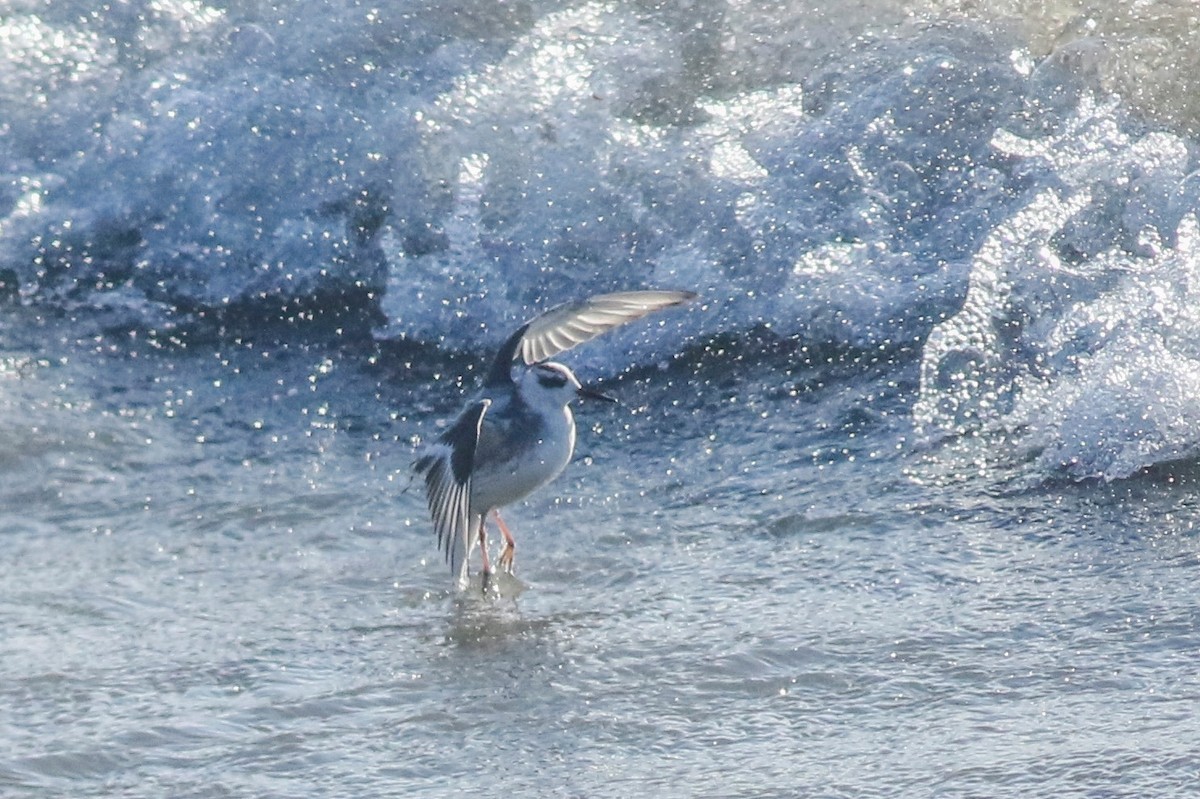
pixel 904 505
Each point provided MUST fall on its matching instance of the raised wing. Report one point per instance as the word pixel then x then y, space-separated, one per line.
pixel 447 466
pixel 563 327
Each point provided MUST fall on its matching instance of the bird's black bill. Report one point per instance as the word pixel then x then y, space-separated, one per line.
pixel 591 393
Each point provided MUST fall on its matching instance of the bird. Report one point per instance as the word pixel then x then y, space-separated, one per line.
pixel 518 434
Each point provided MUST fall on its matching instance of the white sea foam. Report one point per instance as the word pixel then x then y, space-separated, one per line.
pixel 1077 338
pixel 936 188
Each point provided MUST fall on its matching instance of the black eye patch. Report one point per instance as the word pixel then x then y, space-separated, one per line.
pixel 550 379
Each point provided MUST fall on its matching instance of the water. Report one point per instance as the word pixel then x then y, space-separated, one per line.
pixel 904 506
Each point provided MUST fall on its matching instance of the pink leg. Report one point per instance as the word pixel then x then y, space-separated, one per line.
pixel 508 555
pixel 487 564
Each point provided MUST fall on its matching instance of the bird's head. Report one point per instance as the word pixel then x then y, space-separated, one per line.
pixel 552 385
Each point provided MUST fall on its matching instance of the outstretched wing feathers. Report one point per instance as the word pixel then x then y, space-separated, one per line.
pixel 447 467
pixel 566 326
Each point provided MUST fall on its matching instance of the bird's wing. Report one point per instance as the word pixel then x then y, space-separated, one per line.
pixel 565 326
pixel 447 466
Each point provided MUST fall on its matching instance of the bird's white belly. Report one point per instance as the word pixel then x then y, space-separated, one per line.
pixel 506 481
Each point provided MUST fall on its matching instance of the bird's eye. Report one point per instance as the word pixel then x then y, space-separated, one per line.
pixel 550 379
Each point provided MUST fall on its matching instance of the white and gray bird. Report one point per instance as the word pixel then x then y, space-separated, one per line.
pixel 518 433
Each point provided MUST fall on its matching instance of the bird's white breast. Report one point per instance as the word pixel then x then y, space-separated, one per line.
pixel 502 481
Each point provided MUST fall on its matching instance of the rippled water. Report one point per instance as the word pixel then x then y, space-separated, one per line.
pixel 747 584
pixel 903 506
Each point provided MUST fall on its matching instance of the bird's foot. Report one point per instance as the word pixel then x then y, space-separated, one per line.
pixel 508 557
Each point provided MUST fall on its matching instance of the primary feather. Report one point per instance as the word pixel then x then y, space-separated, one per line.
pixel 561 328
pixel 447 467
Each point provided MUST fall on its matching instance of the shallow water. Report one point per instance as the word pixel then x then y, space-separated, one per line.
pixel 238 599
pixel 903 506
